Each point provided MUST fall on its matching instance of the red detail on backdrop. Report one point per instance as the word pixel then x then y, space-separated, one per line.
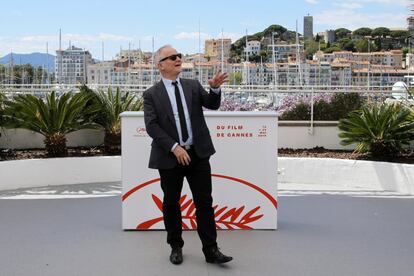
pixel 225 218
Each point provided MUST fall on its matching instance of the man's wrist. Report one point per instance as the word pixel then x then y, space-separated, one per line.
pixel 215 90
pixel 173 147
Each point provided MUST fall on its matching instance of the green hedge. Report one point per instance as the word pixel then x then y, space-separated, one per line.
pixel 337 108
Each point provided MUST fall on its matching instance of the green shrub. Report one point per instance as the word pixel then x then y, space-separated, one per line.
pixel 53 117
pixel 300 112
pixel 322 111
pixel 104 108
pixel 382 130
pixel 343 103
pixel 336 108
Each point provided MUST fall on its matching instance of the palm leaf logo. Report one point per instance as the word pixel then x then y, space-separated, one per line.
pixel 225 217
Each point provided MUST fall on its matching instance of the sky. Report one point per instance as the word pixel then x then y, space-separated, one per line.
pixel 27 26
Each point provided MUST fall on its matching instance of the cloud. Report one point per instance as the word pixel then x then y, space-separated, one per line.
pixel 37 43
pixel 348 5
pixel 232 36
pixel 147 38
pixel 76 37
pixel 352 14
pixel 191 36
pixel 352 19
pixel 313 2
pixel 394 2
pixel 361 3
pixel 204 36
pixel 8 44
pixel 112 37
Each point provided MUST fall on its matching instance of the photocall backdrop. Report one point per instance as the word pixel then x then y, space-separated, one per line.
pixel 244 173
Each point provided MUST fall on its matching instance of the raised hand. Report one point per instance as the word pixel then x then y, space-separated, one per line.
pixel 218 79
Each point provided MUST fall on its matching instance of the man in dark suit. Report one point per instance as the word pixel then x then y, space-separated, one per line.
pixel 181 147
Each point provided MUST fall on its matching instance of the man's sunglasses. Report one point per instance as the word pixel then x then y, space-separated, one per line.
pixel 172 57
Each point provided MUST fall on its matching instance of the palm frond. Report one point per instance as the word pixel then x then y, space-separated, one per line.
pixel 54 114
pixel 379 129
pixel 106 106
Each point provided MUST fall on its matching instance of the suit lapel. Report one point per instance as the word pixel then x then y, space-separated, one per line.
pixel 165 100
pixel 188 93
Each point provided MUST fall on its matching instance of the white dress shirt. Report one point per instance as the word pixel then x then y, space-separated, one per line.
pixel 171 95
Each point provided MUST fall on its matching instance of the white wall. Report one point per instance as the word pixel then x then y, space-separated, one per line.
pixel 291 134
pixel 308 173
pixel 347 174
pixel 25 139
pixel 59 171
pixel 300 135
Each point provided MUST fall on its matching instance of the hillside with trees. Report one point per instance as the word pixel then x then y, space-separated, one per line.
pixel 265 37
pixel 360 40
pixel 363 39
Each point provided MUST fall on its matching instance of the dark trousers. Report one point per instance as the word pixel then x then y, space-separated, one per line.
pixel 198 175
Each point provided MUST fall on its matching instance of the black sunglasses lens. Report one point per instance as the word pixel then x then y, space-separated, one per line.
pixel 174 57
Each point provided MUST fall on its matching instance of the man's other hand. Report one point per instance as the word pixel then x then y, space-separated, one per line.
pixel 218 80
pixel 182 156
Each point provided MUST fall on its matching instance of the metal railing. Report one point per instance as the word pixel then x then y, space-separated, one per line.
pixel 46 88
pixel 262 95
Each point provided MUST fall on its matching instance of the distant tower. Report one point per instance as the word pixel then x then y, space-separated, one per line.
pixel 308 26
pixel 410 21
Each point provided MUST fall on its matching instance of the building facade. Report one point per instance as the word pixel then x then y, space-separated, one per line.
pixel 71 65
pixel 134 55
pixel 341 68
pixel 252 48
pixel 392 58
pixel 285 51
pixel 100 73
pixel 214 48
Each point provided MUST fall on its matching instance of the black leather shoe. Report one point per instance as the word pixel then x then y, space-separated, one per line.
pixel 214 256
pixel 176 256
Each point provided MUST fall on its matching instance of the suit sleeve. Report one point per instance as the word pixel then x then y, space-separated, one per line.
pixel 209 100
pixel 160 137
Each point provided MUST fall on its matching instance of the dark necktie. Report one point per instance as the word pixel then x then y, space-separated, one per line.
pixel 183 123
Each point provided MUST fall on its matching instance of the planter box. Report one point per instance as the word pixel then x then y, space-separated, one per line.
pixel 300 135
pixel 291 134
pixel 343 174
pixel 59 171
pixel 26 139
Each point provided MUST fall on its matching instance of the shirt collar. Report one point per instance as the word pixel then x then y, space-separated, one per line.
pixel 168 83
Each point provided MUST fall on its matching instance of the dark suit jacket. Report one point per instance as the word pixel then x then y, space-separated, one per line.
pixel 160 122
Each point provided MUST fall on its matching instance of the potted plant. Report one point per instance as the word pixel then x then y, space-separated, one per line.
pixel 104 109
pixel 53 117
pixel 381 130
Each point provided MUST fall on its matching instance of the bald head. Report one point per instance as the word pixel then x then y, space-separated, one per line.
pixel 159 53
pixel 168 62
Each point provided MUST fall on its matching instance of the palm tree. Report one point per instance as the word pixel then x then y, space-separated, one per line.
pixel 104 109
pixel 53 118
pixel 380 130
